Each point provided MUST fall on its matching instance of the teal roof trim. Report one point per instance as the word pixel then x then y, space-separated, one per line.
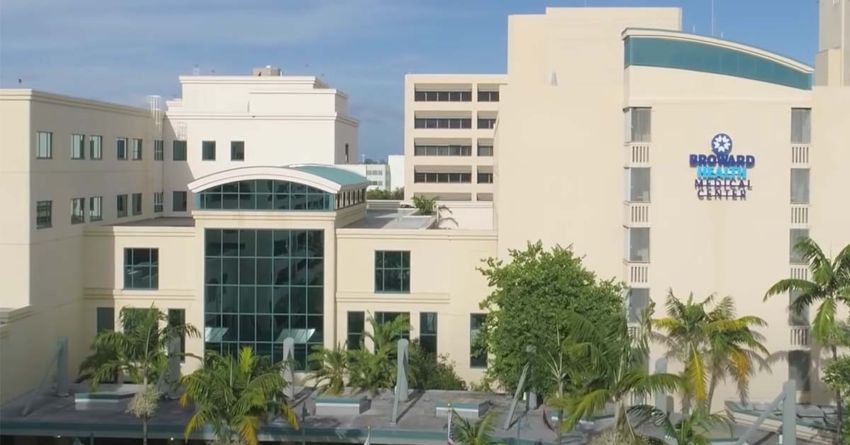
pixel 709 58
pixel 342 177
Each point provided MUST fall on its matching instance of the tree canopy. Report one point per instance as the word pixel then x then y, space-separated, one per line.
pixel 534 294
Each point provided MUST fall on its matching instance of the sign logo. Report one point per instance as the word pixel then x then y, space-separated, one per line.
pixel 722 175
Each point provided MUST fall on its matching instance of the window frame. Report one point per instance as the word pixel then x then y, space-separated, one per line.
pixel 137 149
pixel 99 215
pixel 95 148
pixel 80 205
pixel 44 151
pixel 158 202
pixel 403 271
pixel 42 221
pixel 208 150
pixel 152 268
pixel 475 356
pixel 122 200
pixel 121 148
pixel 78 146
pixel 426 337
pixel 179 155
pixel 158 150
pixel 137 204
pixel 237 147
pixel 184 197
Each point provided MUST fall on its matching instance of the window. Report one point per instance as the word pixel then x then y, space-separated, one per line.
pixel 638 124
pixel 356 325
pixel 121 206
pixel 799 186
pixel 121 149
pixel 177 317
pixel 208 150
pixel 485 177
pixel 428 332
pixel 389 317
pixel 485 150
pixel 796 235
pixel 460 178
pixel 638 241
pixel 78 210
pixel 801 125
pixel 43 214
pixel 157 202
pixel 137 149
pixel 178 150
pixel 477 348
pixel 346 153
pixel 488 96
pixel 137 204
pixel 141 268
pixel 486 122
pixel 433 122
pixel 96 147
pixel 237 151
pixel 638 301
pixel 105 319
pixel 78 146
pixel 442 150
pixel 158 150
pixel 443 96
pixel 392 271
pixel 178 201
pixel 799 369
pixel 44 147
pixel 263 286
pixel 638 180
pixel 95 208
pixel 268 195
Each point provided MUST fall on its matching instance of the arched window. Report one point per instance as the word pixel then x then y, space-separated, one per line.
pixel 265 194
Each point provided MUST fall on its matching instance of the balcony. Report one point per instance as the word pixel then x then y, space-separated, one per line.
pixel 636 214
pixel 799 272
pixel 800 155
pixel 637 154
pixel 800 337
pixel 637 274
pixel 800 215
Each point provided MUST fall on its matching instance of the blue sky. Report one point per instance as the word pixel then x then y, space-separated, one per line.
pixel 121 50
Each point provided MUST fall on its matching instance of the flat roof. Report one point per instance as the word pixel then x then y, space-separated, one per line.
pixel 418 421
pixel 163 221
pixel 400 218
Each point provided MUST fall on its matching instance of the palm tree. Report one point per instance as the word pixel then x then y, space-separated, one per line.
pixel 610 367
pixel 712 344
pixel 469 433
pixel 138 351
pixel 375 370
pixel 691 429
pixel 234 395
pixel 330 376
pixel 829 285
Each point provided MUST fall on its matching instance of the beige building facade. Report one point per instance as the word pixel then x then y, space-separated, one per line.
pixel 449 122
pixel 670 161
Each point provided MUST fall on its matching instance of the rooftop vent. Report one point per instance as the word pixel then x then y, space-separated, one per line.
pixel 267 70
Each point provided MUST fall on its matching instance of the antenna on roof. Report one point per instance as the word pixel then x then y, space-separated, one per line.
pixel 196 71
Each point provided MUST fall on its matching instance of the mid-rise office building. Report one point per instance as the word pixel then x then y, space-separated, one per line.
pixel 449 123
pixel 730 154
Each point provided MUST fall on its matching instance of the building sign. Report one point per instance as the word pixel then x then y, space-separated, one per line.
pixel 722 175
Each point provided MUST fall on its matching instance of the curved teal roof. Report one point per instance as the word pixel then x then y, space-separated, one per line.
pixel 342 177
pixel 696 53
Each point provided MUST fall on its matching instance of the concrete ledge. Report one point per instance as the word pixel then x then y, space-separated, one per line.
pixel 467 410
pixel 105 400
pixel 342 405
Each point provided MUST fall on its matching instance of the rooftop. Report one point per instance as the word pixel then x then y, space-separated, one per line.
pixel 418 421
pixel 399 218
